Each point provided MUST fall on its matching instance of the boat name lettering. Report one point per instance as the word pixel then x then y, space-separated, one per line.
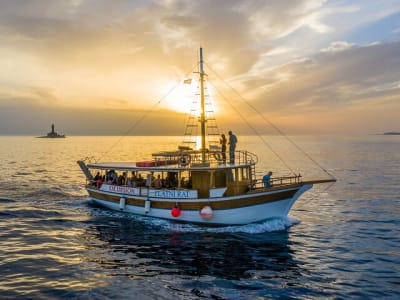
pixel 121 189
pixel 171 194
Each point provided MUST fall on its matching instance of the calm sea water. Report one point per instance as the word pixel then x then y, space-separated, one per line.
pixel 340 241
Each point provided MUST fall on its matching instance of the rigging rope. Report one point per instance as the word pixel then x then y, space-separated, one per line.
pixel 272 125
pixel 144 115
pixel 255 130
pixel 303 203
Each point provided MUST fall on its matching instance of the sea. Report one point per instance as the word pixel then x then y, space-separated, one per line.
pixel 339 241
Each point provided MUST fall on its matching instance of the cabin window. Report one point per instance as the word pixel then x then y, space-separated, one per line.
pixel 185 180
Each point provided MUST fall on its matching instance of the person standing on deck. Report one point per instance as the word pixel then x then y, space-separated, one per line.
pixel 232 147
pixel 222 141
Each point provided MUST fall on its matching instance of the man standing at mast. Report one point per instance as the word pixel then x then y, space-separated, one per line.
pixel 232 147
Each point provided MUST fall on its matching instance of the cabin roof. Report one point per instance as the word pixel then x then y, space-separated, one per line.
pixel 132 166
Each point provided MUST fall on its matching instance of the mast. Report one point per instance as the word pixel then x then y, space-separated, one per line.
pixel 202 114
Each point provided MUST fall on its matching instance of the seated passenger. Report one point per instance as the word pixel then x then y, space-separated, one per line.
pixel 108 177
pixel 157 182
pixel 97 176
pixel 134 179
pixel 148 181
pixel 140 180
pixel 121 180
pixel 114 177
pixel 100 181
pixel 267 179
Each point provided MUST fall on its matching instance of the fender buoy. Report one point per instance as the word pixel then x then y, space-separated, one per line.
pixel 147 204
pixel 122 202
pixel 206 213
pixel 175 211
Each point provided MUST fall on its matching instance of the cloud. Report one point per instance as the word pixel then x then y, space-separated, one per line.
pixel 88 32
pixel 355 78
pixel 29 96
pixel 341 76
pixel 337 46
pixel 289 57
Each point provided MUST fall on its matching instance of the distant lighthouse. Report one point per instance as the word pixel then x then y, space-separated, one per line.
pixel 53 134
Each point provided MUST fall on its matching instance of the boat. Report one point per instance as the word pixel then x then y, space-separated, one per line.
pixel 195 185
pixel 52 134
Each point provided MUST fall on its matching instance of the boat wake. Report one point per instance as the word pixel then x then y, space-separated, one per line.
pixel 271 225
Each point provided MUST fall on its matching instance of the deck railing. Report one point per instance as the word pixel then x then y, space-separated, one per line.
pixel 194 158
pixel 278 181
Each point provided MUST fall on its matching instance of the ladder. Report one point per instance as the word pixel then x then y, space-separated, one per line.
pixel 192 129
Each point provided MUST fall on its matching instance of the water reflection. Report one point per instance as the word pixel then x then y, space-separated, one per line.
pixel 39 252
pixel 125 246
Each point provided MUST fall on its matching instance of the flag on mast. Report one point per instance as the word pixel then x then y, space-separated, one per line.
pixel 187 81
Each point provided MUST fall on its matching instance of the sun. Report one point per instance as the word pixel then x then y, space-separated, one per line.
pixel 185 98
pixel 181 98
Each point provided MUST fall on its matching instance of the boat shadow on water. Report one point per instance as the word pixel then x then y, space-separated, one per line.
pixel 130 247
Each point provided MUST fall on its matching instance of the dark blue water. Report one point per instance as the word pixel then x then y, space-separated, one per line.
pixel 340 241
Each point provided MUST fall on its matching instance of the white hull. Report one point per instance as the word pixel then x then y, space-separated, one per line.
pixel 229 216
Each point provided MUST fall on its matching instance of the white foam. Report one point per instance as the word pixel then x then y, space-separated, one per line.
pixel 266 226
pixel 270 225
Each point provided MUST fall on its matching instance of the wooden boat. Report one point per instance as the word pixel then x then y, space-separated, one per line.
pixel 195 186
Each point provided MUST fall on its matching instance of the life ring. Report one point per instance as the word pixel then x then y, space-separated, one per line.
pixel 185 160
pixel 218 156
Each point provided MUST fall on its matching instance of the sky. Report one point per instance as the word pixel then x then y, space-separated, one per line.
pixel 97 67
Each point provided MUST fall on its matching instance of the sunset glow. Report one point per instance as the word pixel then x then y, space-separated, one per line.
pixel 182 97
pixel 311 66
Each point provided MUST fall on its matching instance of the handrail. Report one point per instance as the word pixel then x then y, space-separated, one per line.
pixel 192 157
pixel 278 181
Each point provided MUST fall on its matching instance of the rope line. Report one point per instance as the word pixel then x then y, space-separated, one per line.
pixel 144 115
pixel 271 124
pixel 254 129
pixel 303 203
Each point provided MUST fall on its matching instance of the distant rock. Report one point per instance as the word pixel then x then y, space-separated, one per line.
pixel 392 133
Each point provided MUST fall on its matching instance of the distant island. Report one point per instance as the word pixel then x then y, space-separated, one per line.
pixel 392 133
pixel 52 134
